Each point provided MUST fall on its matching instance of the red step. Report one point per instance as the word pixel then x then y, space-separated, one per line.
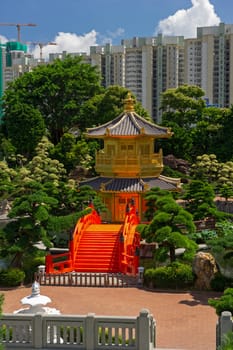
pixel 98 250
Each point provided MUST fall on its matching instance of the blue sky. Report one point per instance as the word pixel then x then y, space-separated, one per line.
pixel 77 24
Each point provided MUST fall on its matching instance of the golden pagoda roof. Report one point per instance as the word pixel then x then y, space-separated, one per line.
pixel 129 123
pixel 141 184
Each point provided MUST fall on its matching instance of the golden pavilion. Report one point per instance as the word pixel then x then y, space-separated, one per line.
pixel 127 164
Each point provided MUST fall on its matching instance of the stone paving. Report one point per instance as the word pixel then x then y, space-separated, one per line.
pixel 184 320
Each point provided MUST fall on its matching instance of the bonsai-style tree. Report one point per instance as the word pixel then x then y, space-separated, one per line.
pixel 200 200
pixel 170 226
pixel 224 303
pixel 30 213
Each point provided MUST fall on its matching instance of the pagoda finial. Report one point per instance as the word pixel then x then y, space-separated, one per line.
pixel 129 103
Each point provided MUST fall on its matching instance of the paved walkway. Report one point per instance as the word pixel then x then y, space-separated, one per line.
pixel 184 320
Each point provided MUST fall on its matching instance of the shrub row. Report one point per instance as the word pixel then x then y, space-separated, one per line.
pixel 11 277
pixel 176 275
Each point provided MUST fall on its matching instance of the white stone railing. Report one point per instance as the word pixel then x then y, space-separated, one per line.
pixel 90 332
pixel 224 326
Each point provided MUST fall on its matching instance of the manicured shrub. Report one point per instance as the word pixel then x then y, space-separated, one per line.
pixel 224 303
pixel 149 277
pixel 203 236
pixel 176 275
pixel 11 277
pixel 30 266
pixel 142 228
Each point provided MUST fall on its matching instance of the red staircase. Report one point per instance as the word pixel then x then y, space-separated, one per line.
pixel 98 249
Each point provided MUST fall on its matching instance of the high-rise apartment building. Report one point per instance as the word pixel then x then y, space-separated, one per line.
pixel 208 63
pixel 17 61
pixel 168 68
pixel 149 66
pixel 2 67
pixel 146 66
pixel 14 61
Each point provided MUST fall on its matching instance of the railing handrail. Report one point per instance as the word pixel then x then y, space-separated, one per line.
pixel 131 240
pixel 45 331
pixel 67 265
pixel 81 226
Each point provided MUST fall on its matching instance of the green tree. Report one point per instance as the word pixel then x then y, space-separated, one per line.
pixel 42 168
pixel 226 191
pixel 182 105
pixel 25 126
pixel 169 228
pixel 151 198
pixel 224 303
pixel 221 247
pixel 72 152
pixel 220 175
pixel 207 133
pixel 197 129
pixel 7 150
pixel 206 168
pixel 40 214
pixel 30 213
pixel 107 106
pixel 57 90
pixel 7 175
pixel 181 110
pixel 199 198
pixel 224 149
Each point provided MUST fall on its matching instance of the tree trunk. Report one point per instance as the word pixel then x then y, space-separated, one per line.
pixel 172 254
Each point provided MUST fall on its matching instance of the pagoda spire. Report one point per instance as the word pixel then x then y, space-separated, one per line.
pixel 129 103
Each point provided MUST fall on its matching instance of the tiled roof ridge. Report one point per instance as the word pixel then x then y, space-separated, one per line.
pixel 135 121
pixel 110 122
pixel 114 126
pixel 143 120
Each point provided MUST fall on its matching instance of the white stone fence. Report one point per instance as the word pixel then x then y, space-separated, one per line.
pixel 224 326
pixel 90 332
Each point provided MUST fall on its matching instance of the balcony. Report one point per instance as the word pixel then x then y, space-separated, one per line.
pixel 129 165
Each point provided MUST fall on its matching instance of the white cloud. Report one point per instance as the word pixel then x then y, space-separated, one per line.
pixel 185 21
pixel 111 36
pixel 118 32
pixel 69 42
pixel 3 40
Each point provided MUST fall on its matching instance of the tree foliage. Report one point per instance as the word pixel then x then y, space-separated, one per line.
pixel 40 212
pixel 199 198
pixel 72 152
pixel 197 128
pixel 224 303
pixel 106 106
pixel 220 175
pixel 57 91
pixel 170 226
pixel 182 105
pixel 18 237
pixel 25 127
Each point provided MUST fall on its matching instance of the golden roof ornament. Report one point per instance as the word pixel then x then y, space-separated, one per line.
pixel 129 103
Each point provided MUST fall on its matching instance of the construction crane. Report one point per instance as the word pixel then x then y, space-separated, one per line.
pixel 41 45
pixel 18 26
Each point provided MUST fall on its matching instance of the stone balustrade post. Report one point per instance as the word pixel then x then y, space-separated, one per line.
pixel 224 326
pixel 90 335
pixel 144 331
pixel 37 331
